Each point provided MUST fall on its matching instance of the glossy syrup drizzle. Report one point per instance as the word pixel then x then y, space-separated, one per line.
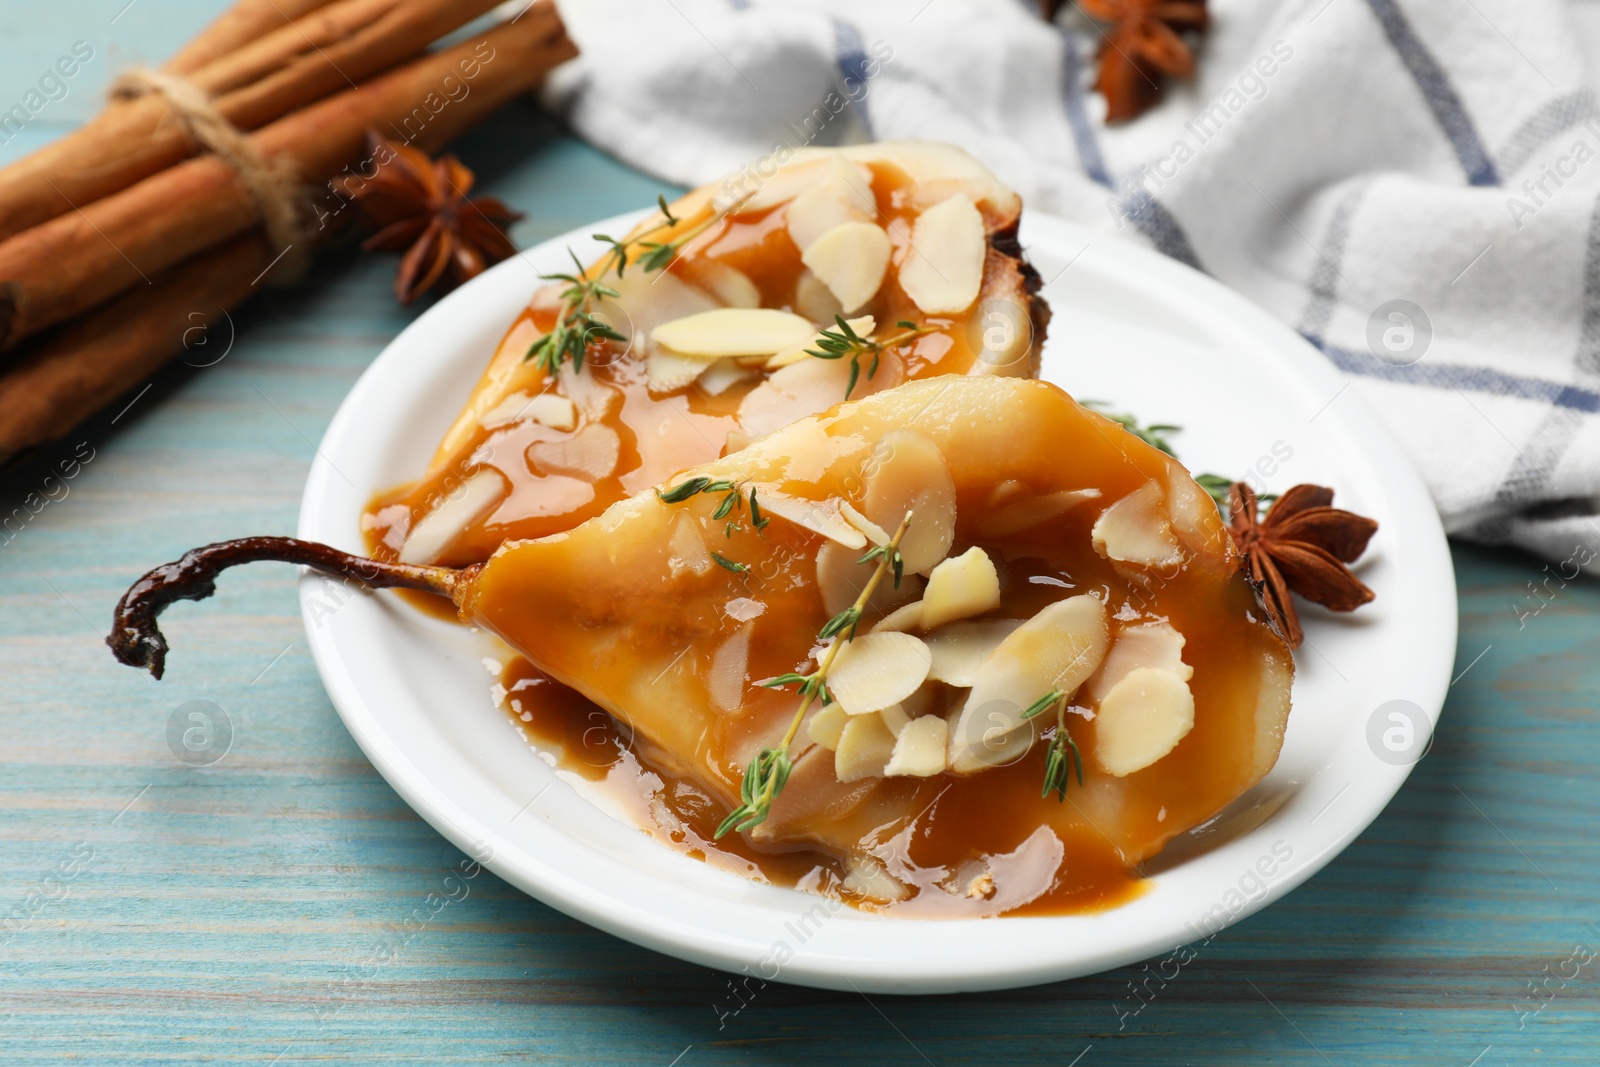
pixel 1033 871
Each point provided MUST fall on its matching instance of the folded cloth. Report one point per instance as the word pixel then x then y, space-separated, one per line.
pixel 1409 184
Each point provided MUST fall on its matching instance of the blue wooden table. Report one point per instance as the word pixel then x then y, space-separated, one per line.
pixel 260 909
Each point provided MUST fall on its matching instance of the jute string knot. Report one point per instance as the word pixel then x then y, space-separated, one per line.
pixel 271 185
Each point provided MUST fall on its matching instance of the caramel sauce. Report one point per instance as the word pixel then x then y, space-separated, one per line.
pixel 935 853
pixel 585 740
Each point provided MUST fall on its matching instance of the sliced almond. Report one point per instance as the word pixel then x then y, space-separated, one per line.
pixel 960 649
pixel 876 670
pixel 864 749
pixel 687 547
pixel 853 183
pixel 730 285
pixel 785 184
pixel 590 454
pixel 895 718
pixel 429 537
pixel 959 587
pixel 851 260
pixel 651 299
pixel 593 398
pixel 942 269
pixel 1135 530
pixel 815 300
pixel 1030 511
pixel 907 472
pixel 1141 719
pixel 863 327
pixel 1057 649
pixel 556 412
pixel 743 608
pixel 875 533
pixel 724 374
pixel 919 748
pixel 903 619
pixel 815 212
pixel 841 577
pixel 826 725
pixel 1153 644
pixel 726 681
pixel 867 877
pixel 818 516
pixel 669 372
pixel 511 409
pixel 733 332
pixel 792 392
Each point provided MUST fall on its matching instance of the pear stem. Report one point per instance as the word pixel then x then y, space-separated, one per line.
pixel 137 641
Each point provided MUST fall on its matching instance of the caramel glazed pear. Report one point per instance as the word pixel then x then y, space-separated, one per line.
pixel 965 597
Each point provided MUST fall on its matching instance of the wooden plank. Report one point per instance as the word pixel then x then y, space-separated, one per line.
pixel 255 911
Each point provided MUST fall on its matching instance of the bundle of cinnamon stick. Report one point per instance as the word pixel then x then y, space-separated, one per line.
pixel 121 238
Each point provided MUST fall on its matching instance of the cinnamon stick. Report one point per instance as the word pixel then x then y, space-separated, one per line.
pixel 82 368
pixel 72 263
pixel 241 23
pixel 300 62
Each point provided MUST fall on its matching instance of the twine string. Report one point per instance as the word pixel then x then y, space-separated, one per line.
pixel 271 185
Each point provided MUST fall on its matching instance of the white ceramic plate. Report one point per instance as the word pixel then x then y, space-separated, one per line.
pixel 1130 326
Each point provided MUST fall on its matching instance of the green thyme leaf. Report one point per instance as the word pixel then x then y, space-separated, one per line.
pixel 679 493
pixel 730 565
pixel 1043 703
pixel 845 620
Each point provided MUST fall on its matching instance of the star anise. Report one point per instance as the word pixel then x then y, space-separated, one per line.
pixel 1302 546
pixel 1143 45
pixel 419 206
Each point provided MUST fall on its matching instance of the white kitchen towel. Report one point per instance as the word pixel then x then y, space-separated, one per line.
pixel 1411 185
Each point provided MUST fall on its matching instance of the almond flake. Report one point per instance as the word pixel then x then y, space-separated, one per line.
pixel 903 619
pixel 454 514
pixel 669 372
pixel 851 260
pixel 960 586
pixel 1057 649
pixel 876 670
pixel 1135 530
pixel 733 332
pixel 1141 719
pixel 865 746
pixel 818 516
pixel 942 269
pixel 875 533
pixel 919 748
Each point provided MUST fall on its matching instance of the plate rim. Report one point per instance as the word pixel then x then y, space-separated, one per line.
pixel 672 936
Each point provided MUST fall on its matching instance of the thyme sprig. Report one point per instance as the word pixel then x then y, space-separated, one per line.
pixel 1154 434
pixel 1217 487
pixel 896 561
pixel 765 777
pixel 844 341
pixel 732 503
pixel 1062 758
pixel 577 326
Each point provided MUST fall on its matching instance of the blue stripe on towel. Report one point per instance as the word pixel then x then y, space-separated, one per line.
pixel 1072 102
pixel 1159 225
pixel 851 58
pixel 1459 376
pixel 1437 90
